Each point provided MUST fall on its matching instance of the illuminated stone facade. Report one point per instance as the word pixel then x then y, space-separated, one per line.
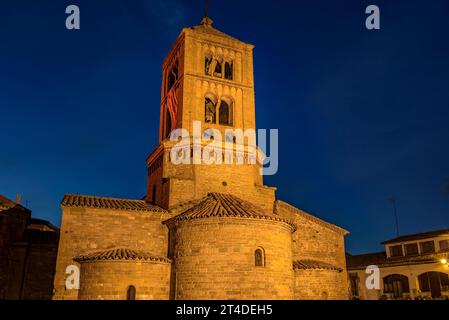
pixel 217 230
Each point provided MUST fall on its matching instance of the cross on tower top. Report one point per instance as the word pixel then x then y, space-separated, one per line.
pixel 206 21
pixel 206 8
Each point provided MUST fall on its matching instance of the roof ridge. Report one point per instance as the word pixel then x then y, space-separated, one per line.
pixel 227 205
pixel 309 216
pixel 103 197
pixel 120 253
pixel 417 236
pixel 71 200
pixel 380 259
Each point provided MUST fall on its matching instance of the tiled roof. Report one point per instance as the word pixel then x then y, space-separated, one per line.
pixel 380 259
pixel 308 264
pixel 120 254
pixel 226 205
pixel 6 204
pixel 418 236
pixel 72 200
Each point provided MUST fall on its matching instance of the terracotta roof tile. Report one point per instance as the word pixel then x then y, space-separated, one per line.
pixel 380 259
pixel 418 236
pixel 226 205
pixel 71 200
pixel 309 264
pixel 120 254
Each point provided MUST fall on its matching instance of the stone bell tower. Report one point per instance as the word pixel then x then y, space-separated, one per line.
pixel 207 77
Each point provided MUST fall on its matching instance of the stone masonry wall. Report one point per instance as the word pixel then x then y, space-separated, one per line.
pixel 89 229
pixel 110 280
pixel 214 259
pixel 314 241
pixel 40 271
pixel 12 226
pixel 320 285
pixel 317 240
pixel 189 182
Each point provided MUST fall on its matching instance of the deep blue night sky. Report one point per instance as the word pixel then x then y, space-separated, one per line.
pixel 362 115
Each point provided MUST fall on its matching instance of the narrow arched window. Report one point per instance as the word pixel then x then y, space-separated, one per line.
pixel 228 71
pixel 172 76
pixel 218 69
pixel 168 124
pixel 210 116
pixel 208 65
pixel 131 293
pixel 225 113
pixel 259 258
pixel 153 200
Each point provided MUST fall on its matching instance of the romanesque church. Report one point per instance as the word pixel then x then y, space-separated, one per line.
pixel 203 231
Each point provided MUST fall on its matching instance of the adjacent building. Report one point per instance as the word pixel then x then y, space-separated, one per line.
pixel 411 267
pixel 28 249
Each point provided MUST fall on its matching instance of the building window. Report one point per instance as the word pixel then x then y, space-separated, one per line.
pixel 210 112
pixel 427 247
pixel 172 76
pixel 218 70
pixel 259 258
pixel 396 251
pixel 168 124
pixel 411 249
pixel 220 111
pixel 396 284
pixel 444 245
pixel 228 70
pixel 434 282
pixel 153 197
pixel 225 113
pixel 208 65
pixel 131 293
pixel 354 278
pixel 218 67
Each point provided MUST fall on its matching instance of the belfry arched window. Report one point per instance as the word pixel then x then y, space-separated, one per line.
pixel 131 293
pixel 225 113
pixel 210 110
pixel 168 123
pixel 218 68
pixel 172 76
pixel 259 258
pixel 208 65
pixel 228 74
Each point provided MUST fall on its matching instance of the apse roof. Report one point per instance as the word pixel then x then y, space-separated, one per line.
pixel 114 254
pixel 216 205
